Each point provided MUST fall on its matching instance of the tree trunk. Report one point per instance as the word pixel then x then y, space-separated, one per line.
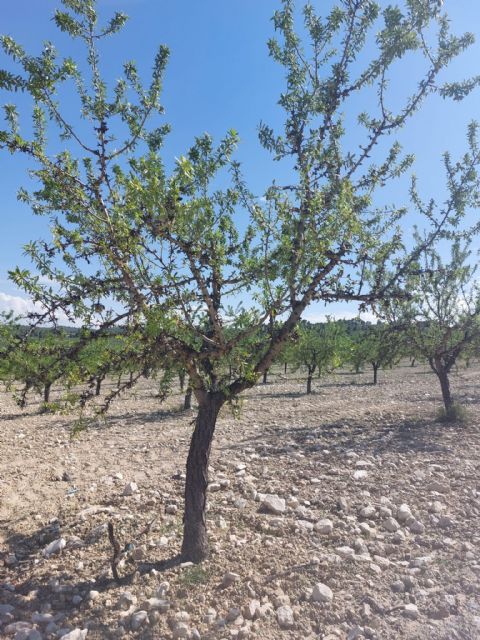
pixel 285 368
pixel 181 378
pixel 412 362
pixel 445 386
pixel 187 402
pixel 98 386
pixel 195 542
pixel 309 383
pixel 46 392
pixel 375 373
pixel 265 376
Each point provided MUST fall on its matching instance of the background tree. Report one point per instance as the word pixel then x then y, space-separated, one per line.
pixel 166 253
pixel 319 348
pixel 380 345
pixel 442 318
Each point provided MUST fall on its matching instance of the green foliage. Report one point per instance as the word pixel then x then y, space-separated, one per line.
pixel 162 255
pixel 379 345
pixel 320 347
pixel 441 316
pixel 194 575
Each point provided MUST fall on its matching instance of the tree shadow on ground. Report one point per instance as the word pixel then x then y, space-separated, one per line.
pixel 404 436
pixel 66 613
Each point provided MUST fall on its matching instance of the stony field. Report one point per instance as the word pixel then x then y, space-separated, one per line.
pixel 348 514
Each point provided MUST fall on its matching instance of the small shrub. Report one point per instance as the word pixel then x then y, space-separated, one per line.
pixel 194 575
pixel 456 413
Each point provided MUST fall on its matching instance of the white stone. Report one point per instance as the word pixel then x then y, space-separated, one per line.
pixel 368 511
pixel 322 593
pixel 305 525
pixel 360 474
pixel 130 488
pixel 157 604
pixel 411 611
pixel 54 547
pixel 273 504
pixel 285 617
pixel 171 509
pixel 391 525
pixel 76 634
pixel 324 527
pixel 345 552
pixel 403 513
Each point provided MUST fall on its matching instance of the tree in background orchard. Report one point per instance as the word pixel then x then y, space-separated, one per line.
pixel 319 348
pixel 442 316
pixel 164 253
pixel 379 345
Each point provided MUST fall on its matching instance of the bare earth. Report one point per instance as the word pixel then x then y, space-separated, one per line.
pixel 420 581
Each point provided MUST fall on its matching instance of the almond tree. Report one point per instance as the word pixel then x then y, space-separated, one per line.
pixel 441 319
pixel 319 348
pixel 169 255
pixel 380 345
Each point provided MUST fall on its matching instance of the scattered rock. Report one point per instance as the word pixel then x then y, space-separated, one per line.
pixel 411 611
pixel 324 527
pixel 130 488
pixel 403 513
pixel 273 504
pixel 229 578
pixel 138 619
pixel 390 524
pixel 285 617
pixel 54 547
pixel 76 634
pixel 322 593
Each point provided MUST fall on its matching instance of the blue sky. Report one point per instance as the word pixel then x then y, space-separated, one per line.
pixel 220 77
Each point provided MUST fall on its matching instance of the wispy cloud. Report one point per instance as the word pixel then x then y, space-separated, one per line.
pixel 315 316
pixel 20 306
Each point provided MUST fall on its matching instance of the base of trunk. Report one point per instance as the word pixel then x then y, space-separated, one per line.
pixel 195 539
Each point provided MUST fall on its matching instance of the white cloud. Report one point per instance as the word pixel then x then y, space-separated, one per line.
pixel 367 316
pixel 20 306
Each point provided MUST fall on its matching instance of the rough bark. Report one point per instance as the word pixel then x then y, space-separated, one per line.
pixel 265 376
pixel 309 385
pixel 375 373
pixel 46 393
pixel 195 541
pixel 445 386
pixel 187 402
pixel 442 371
pixel 181 379
pixel 98 386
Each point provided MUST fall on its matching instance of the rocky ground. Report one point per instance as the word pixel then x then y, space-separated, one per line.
pixel 348 514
